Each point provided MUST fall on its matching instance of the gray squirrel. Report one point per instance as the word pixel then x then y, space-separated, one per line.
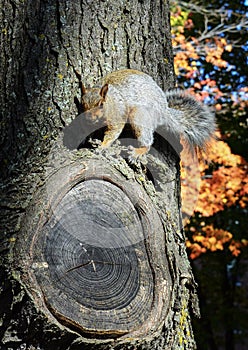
pixel 133 97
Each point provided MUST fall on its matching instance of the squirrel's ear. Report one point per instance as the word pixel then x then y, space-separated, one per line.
pixel 83 89
pixel 104 91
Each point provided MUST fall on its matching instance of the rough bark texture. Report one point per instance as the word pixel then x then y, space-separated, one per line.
pixel 47 48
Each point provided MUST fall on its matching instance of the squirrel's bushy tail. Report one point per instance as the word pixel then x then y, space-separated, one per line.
pixel 197 121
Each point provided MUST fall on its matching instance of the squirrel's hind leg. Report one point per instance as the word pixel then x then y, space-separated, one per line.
pixel 143 132
pixel 145 138
pixel 138 152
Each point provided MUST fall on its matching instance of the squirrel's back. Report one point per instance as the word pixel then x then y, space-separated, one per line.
pixel 138 90
pixel 135 86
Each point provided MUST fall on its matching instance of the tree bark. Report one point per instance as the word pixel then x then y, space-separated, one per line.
pixel 92 250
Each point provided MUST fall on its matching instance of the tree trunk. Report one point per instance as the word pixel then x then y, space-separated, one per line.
pixel 93 253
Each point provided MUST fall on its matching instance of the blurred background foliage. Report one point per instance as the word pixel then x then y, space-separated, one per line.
pixel 210 41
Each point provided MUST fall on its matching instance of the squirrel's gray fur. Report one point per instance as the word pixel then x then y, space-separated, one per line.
pixel 130 96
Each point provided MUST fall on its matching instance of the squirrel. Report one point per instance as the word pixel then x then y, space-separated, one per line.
pixel 133 97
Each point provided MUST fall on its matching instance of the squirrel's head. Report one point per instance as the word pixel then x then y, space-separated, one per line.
pixel 92 102
pixel 94 97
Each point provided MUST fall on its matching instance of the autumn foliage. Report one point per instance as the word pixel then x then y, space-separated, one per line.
pixel 217 185
pixel 225 187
